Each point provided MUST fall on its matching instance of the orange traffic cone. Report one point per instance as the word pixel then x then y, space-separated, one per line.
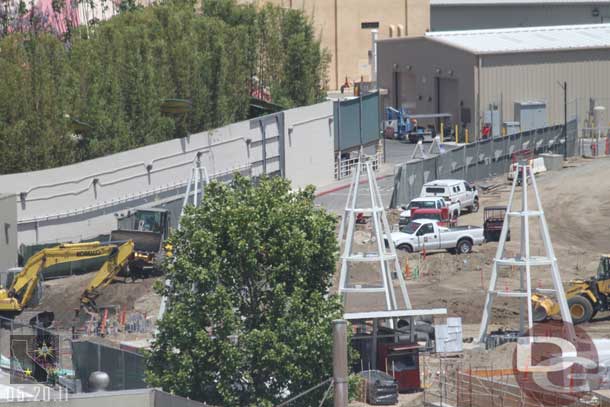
pixel 407 270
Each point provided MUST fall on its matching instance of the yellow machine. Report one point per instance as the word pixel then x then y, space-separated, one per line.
pixel 22 288
pixel 585 297
pixel 14 299
pixel 118 259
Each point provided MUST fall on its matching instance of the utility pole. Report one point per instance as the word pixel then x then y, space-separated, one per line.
pixel 340 362
pixel 565 120
pixel 564 86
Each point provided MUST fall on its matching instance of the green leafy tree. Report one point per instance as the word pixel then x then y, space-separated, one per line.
pixel 107 82
pixel 249 314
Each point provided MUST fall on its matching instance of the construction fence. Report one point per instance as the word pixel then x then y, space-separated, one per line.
pixel 69 359
pixel 465 387
pixel 594 142
pixel 479 160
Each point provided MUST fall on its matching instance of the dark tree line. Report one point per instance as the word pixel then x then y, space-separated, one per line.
pixel 98 89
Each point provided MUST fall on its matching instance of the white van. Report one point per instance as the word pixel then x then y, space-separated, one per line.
pixel 454 190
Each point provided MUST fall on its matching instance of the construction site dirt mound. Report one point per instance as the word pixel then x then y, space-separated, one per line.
pixel 500 357
pixel 62 296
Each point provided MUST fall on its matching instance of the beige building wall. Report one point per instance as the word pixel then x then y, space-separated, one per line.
pixel 339 26
pixel 506 79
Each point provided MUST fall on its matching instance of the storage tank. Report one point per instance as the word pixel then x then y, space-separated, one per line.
pixel 599 118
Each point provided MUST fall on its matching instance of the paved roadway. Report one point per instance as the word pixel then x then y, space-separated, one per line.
pixel 396 153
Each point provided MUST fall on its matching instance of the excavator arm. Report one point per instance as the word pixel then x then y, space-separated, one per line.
pixel 24 285
pixel 107 273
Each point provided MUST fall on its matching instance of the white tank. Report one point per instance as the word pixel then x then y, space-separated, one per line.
pixel 599 117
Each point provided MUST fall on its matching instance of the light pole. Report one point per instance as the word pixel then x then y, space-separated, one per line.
pixel 564 86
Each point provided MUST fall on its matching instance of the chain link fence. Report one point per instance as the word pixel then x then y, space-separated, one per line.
pixel 479 160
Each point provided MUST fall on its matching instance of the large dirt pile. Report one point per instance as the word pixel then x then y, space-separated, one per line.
pixel 62 296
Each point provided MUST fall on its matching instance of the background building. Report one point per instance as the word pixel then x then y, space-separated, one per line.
pixel 447 15
pixel 345 28
pixel 467 73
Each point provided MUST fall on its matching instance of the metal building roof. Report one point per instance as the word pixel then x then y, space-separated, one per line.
pixel 512 2
pixel 527 39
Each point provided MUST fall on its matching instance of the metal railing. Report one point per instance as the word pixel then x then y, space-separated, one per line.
pixel 344 168
pixel 594 142
pixel 477 161
pixel 129 198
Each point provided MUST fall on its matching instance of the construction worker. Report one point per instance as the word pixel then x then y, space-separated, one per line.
pixel 486 131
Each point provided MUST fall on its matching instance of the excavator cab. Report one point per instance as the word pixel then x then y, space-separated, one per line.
pixel 149 229
pixel 147 220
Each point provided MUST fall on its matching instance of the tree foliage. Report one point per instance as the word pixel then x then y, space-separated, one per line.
pixel 249 317
pixel 107 81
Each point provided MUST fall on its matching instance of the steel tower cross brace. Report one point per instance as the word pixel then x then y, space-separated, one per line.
pixel 386 258
pixel 524 261
pixel 198 180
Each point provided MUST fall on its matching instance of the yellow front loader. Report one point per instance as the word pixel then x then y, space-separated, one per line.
pixel 585 297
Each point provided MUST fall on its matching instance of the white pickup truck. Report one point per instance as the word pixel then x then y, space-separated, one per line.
pixel 429 203
pixel 426 233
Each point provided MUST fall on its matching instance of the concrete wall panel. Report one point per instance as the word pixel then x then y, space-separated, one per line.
pixel 8 232
pixel 81 201
pixel 309 145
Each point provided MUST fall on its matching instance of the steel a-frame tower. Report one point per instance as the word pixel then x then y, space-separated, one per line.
pixel 193 195
pixel 384 257
pixel 524 261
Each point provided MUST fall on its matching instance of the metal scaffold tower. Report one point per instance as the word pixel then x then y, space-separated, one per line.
pixel 524 261
pixel 196 183
pixel 384 256
pixel 193 195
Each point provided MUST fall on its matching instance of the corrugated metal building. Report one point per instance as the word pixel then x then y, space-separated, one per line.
pixel 466 72
pixel 448 15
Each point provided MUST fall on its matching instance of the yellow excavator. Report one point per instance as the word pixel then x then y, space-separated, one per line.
pixel 22 288
pixel 118 260
pixel 585 297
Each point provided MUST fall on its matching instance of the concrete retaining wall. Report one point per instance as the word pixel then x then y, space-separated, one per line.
pixel 81 201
